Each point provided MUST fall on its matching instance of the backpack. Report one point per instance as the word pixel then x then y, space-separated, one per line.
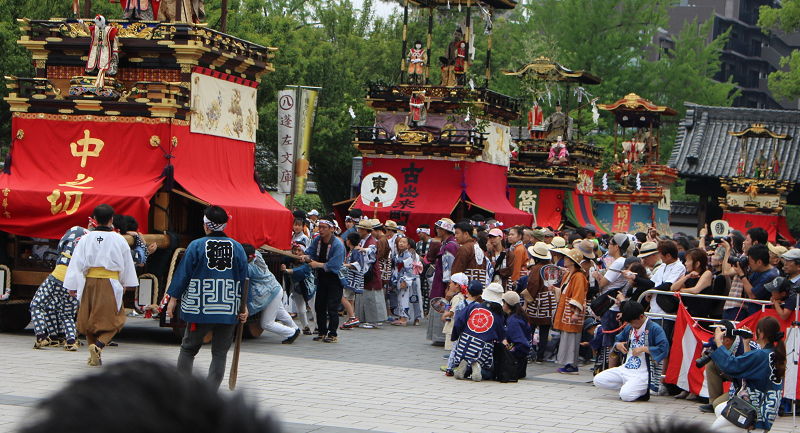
pixel 505 364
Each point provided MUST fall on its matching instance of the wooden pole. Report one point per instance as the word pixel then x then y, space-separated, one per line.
pixel 224 16
pixel 469 32
pixel 405 42
pixel 239 330
pixel 650 145
pixel 430 36
pixel 489 51
pixel 179 10
pixel 87 8
pixel 616 129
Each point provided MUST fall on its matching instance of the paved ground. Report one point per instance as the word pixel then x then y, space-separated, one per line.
pixel 386 379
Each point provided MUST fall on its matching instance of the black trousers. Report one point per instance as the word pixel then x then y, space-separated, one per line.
pixel 522 364
pixel 544 336
pixel 329 297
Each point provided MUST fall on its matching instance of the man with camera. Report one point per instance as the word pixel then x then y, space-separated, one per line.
pixel 784 290
pixel 736 341
pixel 757 273
pixel 732 265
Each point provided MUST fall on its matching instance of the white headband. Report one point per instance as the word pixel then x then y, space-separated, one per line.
pixel 214 227
pixel 401 228
pixel 426 231
pixel 326 222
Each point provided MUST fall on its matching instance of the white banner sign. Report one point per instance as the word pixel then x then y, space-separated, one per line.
pixel 223 108
pixel 378 189
pixel 286 139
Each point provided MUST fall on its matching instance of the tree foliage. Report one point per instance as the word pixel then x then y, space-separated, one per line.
pixel 786 18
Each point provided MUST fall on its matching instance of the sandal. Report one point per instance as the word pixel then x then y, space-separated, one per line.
pixel 330 339
pixel 306 331
pixel 319 338
pixel 399 323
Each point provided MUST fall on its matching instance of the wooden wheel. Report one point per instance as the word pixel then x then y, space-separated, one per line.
pixel 252 330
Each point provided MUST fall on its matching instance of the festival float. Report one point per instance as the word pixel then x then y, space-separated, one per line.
pixel 634 193
pixel 438 150
pixel 552 168
pixel 743 165
pixel 156 118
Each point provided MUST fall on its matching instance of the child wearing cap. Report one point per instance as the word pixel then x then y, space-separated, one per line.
pixel 502 260
pixel 473 294
pixel 475 331
pixel 518 331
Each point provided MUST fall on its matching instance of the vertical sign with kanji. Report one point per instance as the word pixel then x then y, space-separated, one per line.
pixel 305 126
pixel 286 139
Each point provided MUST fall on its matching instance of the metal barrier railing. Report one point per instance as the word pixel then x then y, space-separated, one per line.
pixel 692 295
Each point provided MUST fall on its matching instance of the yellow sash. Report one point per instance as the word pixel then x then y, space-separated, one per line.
pixel 102 273
pixel 59 272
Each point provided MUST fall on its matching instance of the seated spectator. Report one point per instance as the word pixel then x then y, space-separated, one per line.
pixel 475 331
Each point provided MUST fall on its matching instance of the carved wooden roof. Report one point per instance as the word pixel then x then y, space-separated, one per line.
pixel 634 102
pixel 758 130
pixel 547 69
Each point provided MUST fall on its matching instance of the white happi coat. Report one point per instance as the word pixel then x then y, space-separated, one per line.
pixel 102 249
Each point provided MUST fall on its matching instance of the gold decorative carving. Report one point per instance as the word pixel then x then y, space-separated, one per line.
pixel 134 30
pixel 400 127
pixel 20 134
pixel 149 55
pixel 174 141
pixel 73 30
pixel 415 137
pixel 73 52
pixel 155 141
pixel 186 69
pixel 40 64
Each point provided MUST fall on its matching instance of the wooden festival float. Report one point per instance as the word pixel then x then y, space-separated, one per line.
pixel 634 193
pixel 556 191
pixel 743 165
pixel 170 133
pixel 438 150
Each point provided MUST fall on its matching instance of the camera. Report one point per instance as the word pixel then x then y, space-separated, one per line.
pixel 719 239
pixel 706 358
pixel 741 262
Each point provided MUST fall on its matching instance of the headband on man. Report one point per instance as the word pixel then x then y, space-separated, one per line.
pixel 326 222
pixel 424 230
pixel 214 227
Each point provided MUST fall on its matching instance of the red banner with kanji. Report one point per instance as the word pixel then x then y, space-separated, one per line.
pixel 63 166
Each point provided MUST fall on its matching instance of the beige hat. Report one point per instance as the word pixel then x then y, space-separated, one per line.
pixel 446 224
pixel 576 256
pixel 511 298
pixel 647 248
pixel 549 233
pixel 586 247
pixel 364 224
pixel 540 251
pixel 376 224
pixel 778 250
pixel 493 293
pixel 559 242
pixel 390 225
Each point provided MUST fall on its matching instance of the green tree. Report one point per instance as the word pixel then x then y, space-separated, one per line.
pixel 786 18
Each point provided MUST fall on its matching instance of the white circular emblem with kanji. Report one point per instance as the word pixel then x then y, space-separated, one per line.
pixel 480 320
pixel 378 189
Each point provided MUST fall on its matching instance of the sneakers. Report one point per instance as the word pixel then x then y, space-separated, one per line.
pixel 658 390
pixel 291 339
pixel 306 331
pixel 353 321
pixel 330 339
pixel 94 356
pixel 443 368
pixel 448 373
pixel 367 326
pixel 476 372
pixel 461 370
pixel 47 342
pixel 568 369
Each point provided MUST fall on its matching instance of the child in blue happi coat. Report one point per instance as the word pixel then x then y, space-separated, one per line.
pixel 518 332
pixel 475 331
pixel 303 288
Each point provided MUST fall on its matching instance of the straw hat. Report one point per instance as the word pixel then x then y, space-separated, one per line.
pixel 778 250
pixel 364 224
pixel 540 251
pixel 586 247
pixel 376 224
pixel 647 249
pixel 446 224
pixel 575 255
pixel 390 225
pixel 558 242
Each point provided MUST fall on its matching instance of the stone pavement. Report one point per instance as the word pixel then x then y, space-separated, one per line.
pixel 386 379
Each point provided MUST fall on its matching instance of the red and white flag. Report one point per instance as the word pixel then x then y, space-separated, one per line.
pixel 687 346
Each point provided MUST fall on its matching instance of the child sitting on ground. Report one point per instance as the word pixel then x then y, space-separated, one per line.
pixel 475 331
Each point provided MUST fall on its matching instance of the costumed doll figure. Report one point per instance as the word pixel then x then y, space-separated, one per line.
pixel 461 61
pixel 417 57
pixel 192 11
pixel 535 121
pixel 139 9
pixel 449 60
pixel 419 114
pixel 558 153
pixel 740 167
pixel 104 52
